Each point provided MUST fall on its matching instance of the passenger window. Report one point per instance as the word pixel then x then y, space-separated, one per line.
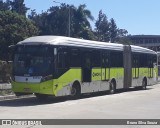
pixel 63 58
pixel 75 60
pixel 96 58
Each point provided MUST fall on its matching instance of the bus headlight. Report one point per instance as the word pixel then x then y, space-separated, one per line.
pixel 46 78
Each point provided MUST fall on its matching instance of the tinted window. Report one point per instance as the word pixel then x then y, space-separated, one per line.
pixel 116 59
pixel 96 58
pixel 143 60
pixel 75 60
pixel 63 58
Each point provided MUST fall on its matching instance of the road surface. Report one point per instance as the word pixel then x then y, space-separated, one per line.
pixel 131 104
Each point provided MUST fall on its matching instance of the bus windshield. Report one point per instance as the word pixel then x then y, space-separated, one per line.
pixel 33 61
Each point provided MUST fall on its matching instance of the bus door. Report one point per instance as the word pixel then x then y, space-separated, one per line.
pixel 62 62
pixel 135 67
pixel 150 68
pixel 86 68
pixel 105 66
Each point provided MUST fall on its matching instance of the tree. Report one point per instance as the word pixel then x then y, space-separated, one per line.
pixel 102 27
pixel 60 26
pixel 122 37
pixel 107 30
pixel 4 5
pixel 19 7
pixel 81 24
pixel 55 21
pixel 33 14
pixel 13 28
pixel 52 22
pixel 113 31
pixel 124 40
pixel 122 32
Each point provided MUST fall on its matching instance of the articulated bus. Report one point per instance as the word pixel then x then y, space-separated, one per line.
pixel 158 62
pixel 64 66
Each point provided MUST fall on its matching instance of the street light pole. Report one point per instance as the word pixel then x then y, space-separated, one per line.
pixel 69 19
pixel 69 23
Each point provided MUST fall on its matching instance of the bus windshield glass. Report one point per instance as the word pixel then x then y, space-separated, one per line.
pixel 33 61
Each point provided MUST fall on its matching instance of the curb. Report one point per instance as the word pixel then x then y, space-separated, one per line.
pixel 7 97
pixel 10 97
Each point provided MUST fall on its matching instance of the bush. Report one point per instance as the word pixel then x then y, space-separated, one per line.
pixel 5 71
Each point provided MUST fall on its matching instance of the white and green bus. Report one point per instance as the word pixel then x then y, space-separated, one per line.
pixel 62 66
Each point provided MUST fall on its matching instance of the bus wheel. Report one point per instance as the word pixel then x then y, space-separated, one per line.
pixel 41 97
pixel 112 89
pixel 75 90
pixel 144 84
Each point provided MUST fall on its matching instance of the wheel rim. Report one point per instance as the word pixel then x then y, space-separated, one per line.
pixel 144 84
pixel 112 90
pixel 73 91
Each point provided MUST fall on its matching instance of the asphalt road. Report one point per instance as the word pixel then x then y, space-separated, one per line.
pixel 130 104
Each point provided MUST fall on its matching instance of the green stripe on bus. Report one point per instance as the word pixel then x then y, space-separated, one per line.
pixel 116 73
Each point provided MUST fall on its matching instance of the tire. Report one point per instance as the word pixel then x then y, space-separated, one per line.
pixel 41 97
pixel 144 84
pixel 112 89
pixel 75 91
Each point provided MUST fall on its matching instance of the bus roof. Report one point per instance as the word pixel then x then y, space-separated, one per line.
pixel 142 49
pixel 68 41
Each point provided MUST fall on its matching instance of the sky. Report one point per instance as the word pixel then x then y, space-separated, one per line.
pixel 138 17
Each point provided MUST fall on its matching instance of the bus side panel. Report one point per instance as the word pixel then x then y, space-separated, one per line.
pixel 154 79
pixel 118 75
pixel 138 76
pixel 63 83
pixel 143 72
pixel 107 73
pixel 99 82
pixel 97 74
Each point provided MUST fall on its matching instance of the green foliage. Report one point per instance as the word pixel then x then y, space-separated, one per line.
pixel 4 5
pixel 124 40
pixel 19 7
pixel 113 31
pixel 107 30
pixel 81 24
pixel 52 22
pixel 122 33
pixel 13 28
pixel 102 27
pixel 5 71
pixel 56 21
